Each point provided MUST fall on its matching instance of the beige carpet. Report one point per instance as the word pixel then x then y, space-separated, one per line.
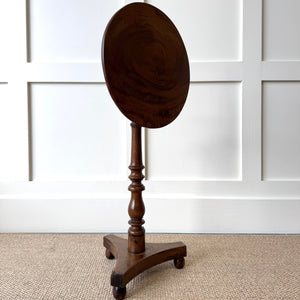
pixel 73 266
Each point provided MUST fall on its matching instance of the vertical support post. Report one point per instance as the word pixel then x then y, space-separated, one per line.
pixel 136 208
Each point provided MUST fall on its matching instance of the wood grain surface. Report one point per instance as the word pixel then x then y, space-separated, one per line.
pixel 145 65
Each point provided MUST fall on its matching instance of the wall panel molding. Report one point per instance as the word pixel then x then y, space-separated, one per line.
pixel 281 71
pixel 242 47
pixel 281 24
pixel 281 123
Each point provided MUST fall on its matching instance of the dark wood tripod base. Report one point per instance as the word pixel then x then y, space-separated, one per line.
pixel 129 265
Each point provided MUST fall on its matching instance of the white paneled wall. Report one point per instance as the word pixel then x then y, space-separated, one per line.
pixel 216 41
pixel 229 163
pixel 5 113
pixel 211 149
pixel 68 136
pixel 281 130
pixel 69 30
pixel 281 30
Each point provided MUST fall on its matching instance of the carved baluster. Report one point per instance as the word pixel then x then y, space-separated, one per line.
pixel 136 209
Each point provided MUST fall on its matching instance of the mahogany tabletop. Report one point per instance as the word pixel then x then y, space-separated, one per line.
pixel 145 64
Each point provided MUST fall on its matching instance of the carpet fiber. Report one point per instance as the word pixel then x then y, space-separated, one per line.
pixel 73 266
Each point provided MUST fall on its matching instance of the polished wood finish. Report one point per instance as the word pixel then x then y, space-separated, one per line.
pixel 136 208
pixel 129 265
pixel 145 65
pixel 133 255
pixel 147 73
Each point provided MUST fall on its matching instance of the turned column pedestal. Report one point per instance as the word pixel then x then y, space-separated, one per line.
pixel 134 255
pixel 136 208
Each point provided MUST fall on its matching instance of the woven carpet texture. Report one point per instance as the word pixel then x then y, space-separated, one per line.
pixel 73 266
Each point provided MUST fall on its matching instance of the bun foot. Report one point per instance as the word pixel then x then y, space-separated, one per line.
pixel 108 254
pixel 119 292
pixel 179 263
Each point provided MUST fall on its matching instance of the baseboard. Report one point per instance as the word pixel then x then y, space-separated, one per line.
pixel 171 215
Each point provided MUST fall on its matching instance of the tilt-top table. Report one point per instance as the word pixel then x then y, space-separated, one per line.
pixel 146 70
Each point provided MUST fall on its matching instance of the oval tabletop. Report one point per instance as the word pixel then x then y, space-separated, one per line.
pixel 145 65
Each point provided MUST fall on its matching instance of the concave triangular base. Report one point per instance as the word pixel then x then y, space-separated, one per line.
pixel 129 265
